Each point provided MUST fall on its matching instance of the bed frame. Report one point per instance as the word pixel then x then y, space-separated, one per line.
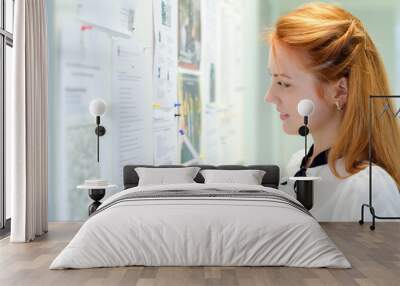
pixel 270 179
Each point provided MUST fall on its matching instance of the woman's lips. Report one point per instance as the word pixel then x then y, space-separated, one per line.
pixel 284 116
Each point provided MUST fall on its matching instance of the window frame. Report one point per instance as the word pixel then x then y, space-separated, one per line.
pixel 6 39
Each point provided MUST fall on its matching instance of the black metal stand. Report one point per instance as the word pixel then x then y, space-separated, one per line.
pixel 96 195
pixel 369 205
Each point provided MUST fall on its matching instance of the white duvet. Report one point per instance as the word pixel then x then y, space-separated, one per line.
pixel 200 231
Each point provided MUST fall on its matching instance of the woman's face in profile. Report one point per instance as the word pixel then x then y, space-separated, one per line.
pixel 290 83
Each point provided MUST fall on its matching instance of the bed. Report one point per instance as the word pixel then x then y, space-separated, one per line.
pixel 198 224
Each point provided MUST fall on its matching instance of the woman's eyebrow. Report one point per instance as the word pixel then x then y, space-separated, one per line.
pixel 281 74
pixel 284 75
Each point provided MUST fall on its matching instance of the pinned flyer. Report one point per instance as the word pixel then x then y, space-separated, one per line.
pixel 156 106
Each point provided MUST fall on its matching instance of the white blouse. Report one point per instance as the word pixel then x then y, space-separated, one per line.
pixel 341 199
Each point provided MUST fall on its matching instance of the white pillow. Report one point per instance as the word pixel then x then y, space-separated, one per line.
pixel 248 177
pixel 163 176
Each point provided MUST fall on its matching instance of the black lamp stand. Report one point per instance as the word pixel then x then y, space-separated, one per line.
pixel 303 131
pixel 100 131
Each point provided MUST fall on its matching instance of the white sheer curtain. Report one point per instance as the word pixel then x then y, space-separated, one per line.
pixel 27 123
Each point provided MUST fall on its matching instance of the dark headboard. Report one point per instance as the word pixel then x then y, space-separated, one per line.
pixel 270 179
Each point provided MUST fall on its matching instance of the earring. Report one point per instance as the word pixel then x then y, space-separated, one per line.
pixel 338 106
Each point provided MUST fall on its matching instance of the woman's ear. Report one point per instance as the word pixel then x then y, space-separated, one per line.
pixel 341 92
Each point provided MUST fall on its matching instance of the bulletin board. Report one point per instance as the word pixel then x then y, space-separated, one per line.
pixel 169 76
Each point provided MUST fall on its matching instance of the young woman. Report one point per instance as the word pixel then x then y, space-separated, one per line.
pixel 323 53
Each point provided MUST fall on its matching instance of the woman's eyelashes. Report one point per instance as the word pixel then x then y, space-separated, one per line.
pixel 283 84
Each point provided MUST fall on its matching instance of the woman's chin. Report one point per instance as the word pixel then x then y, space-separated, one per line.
pixel 289 130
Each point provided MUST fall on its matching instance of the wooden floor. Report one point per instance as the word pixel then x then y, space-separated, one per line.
pixel 375 257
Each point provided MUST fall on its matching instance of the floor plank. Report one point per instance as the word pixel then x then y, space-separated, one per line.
pixel 374 255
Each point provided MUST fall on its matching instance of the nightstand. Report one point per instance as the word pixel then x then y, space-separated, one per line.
pixel 305 190
pixel 96 193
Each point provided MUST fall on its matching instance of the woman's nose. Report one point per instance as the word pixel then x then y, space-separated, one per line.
pixel 269 96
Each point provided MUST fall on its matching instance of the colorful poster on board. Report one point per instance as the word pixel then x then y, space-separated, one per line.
pixel 189 34
pixel 190 124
